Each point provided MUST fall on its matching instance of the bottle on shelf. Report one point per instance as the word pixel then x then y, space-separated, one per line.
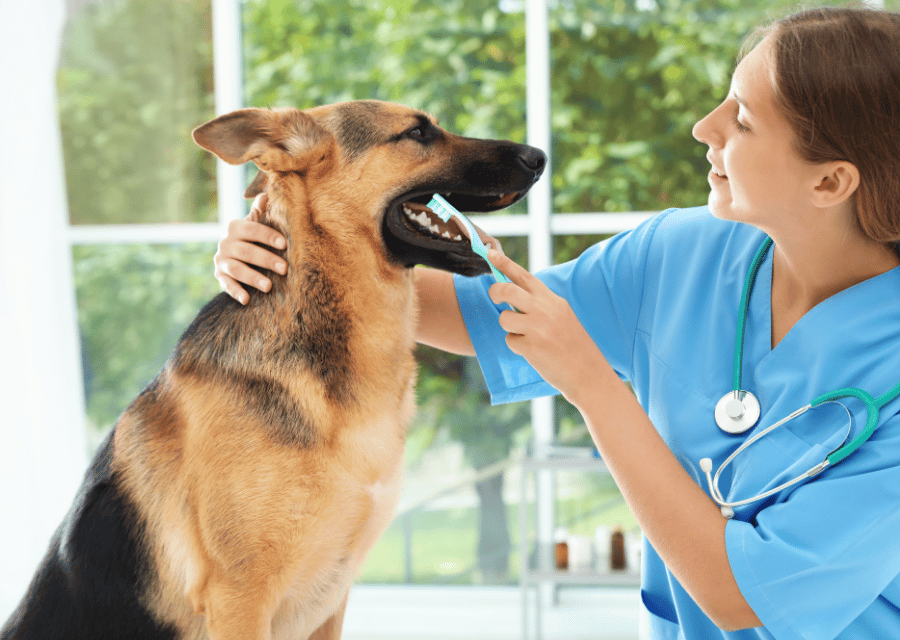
pixel 617 559
pixel 561 550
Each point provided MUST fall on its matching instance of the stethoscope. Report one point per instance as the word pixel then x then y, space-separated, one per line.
pixel 738 410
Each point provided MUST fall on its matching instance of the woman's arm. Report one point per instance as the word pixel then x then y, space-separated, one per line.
pixel 681 522
pixel 441 323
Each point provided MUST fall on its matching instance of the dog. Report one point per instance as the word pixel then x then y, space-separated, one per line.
pixel 237 496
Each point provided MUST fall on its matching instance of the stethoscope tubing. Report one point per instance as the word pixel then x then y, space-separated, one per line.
pixel 713 481
pixel 873 405
pixel 745 303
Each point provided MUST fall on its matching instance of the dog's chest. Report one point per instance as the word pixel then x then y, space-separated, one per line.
pixel 373 463
pixel 362 509
pixel 384 494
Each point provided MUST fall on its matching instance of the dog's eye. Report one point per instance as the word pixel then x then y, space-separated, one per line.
pixel 417 134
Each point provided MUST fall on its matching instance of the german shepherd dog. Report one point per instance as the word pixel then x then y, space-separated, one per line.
pixel 237 496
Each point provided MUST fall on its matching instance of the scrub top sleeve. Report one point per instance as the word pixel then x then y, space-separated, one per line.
pixel 604 286
pixel 814 564
pixel 509 377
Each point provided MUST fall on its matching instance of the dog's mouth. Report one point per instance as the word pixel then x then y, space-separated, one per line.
pixel 414 234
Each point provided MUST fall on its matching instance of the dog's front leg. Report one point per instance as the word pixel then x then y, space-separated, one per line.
pixel 237 613
pixel 331 628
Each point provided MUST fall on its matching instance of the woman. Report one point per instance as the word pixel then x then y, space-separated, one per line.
pixel 806 150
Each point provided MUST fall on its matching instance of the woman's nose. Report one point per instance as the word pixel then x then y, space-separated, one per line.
pixel 701 130
pixel 705 131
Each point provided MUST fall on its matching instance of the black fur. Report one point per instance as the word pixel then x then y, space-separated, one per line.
pixel 89 583
pixel 322 335
pixel 490 175
pixel 354 133
pixel 285 421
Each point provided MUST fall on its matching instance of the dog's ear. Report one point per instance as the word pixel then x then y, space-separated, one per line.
pixel 276 140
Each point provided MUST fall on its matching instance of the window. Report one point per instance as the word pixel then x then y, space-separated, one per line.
pixel 142 196
pixel 627 82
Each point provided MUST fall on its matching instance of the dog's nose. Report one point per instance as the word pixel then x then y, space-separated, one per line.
pixel 534 160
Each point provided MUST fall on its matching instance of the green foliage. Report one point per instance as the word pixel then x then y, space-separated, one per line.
pixel 134 301
pixel 134 78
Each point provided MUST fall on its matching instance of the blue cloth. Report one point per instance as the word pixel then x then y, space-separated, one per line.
pixel 817 561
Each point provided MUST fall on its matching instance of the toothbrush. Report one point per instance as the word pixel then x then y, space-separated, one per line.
pixel 445 211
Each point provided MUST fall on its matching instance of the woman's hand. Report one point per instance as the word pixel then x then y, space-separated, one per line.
pixel 236 251
pixel 545 331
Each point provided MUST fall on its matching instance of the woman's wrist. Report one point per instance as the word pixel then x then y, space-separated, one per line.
pixel 593 386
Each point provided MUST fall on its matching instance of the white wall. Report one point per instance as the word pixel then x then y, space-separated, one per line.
pixel 42 428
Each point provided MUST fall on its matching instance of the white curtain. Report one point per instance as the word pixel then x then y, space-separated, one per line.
pixel 42 424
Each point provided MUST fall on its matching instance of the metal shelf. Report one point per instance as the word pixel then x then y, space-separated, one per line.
pixel 586 578
pixel 538 560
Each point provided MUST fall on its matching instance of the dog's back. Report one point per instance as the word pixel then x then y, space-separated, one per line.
pixel 88 586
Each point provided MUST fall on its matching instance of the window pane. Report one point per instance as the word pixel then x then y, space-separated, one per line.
pixel 134 79
pixel 569 247
pixel 134 302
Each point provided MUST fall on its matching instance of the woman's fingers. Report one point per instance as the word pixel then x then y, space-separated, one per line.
pixel 239 269
pixel 251 231
pixel 515 272
pixel 488 240
pixel 239 244
pixel 231 287
pixel 511 294
pixel 260 203
pixel 239 251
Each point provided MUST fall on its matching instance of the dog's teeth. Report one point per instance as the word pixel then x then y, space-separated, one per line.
pixel 424 221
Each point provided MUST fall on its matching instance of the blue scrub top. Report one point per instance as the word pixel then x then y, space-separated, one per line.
pixel 817 561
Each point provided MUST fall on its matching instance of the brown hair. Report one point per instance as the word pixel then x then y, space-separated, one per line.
pixel 837 80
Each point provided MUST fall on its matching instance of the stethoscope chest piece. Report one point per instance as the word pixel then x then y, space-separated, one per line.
pixel 737 412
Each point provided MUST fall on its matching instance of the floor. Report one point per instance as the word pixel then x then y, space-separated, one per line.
pixel 486 613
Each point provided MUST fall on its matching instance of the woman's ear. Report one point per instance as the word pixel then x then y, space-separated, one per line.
pixel 835 183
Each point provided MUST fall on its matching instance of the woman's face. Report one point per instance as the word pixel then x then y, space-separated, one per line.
pixel 757 177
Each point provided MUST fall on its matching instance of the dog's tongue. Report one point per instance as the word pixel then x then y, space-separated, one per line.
pixel 452 227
